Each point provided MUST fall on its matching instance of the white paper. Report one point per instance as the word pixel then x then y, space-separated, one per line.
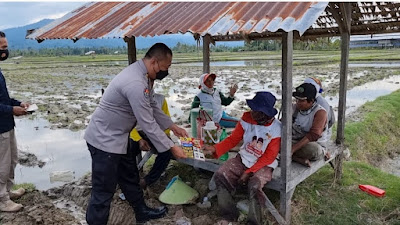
pixel 198 154
pixel 32 108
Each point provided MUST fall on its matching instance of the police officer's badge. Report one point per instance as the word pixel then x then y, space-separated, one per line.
pixel 146 92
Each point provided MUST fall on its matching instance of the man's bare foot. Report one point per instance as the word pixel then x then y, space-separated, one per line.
pixel 327 156
pixel 304 162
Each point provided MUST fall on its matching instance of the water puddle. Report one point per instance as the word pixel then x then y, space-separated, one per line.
pixel 72 208
pixel 245 63
pixel 367 92
pixel 385 64
pixel 392 166
pixel 61 149
pixel 236 63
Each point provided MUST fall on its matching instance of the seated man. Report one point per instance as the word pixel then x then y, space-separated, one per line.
pixel 256 160
pixel 323 102
pixel 139 142
pixel 310 125
pixel 211 98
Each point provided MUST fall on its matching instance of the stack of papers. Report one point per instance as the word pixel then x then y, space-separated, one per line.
pixel 32 108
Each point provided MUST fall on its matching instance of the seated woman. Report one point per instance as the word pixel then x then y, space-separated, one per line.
pixel 256 160
pixel 211 98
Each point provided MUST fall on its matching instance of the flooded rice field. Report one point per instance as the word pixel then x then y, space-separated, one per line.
pixel 67 94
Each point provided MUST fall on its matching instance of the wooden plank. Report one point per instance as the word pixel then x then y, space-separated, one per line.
pixel 271 208
pixel 206 53
pixel 206 165
pixel 286 137
pixel 131 49
pixel 145 158
pixel 339 166
pixel 300 172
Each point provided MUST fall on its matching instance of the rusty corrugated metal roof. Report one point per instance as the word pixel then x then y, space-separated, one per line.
pixel 126 19
pixel 222 20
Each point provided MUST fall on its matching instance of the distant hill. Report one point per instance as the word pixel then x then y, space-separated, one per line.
pixel 16 40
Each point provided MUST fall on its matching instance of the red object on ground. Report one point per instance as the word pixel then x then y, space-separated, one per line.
pixel 372 190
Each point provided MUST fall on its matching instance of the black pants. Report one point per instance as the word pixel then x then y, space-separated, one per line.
pixel 160 163
pixel 108 170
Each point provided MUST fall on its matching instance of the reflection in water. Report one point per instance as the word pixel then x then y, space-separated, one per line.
pixel 61 150
pixel 236 63
pixel 384 64
pixel 367 92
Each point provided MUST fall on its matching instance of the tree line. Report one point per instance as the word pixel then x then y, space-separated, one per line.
pixel 256 45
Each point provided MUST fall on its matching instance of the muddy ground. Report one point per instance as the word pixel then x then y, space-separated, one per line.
pixel 67 94
pixel 38 209
pixel 66 204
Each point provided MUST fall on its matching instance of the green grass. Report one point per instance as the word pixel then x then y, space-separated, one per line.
pixel 375 137
pixel 29 187
pixel 371 140
pixel 319 201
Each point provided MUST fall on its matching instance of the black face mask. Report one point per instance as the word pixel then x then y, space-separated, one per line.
pixel 161 74
pixel 260 118
pixel 4 54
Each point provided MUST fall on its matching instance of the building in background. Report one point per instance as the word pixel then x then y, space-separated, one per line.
pixel 375 41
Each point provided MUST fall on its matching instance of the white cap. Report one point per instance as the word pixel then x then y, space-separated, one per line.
pixel 210 125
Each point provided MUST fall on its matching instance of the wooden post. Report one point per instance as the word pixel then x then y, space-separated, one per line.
pixel 286 139
pixel 206 53
pixel 345 41
pixel 131 49
pixel 345 29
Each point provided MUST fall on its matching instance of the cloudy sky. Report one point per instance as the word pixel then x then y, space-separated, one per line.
pixel 14 14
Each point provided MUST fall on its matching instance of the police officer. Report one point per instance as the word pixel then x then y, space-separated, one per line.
pixel 127 101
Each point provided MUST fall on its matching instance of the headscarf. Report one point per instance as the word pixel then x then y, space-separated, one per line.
pixel 204 87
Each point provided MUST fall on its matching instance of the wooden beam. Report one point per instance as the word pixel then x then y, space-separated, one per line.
pixel 271 208
pixel 145 158
pixel 334 10
pixel 131 49
pixel 286 139
pixel 206 165
pixel 345 8
pixel 206 53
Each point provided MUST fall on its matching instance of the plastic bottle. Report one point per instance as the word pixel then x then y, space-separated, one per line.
pixel 225 156
pixel 194 113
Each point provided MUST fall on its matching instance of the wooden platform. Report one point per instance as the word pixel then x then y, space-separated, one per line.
pixel 298 172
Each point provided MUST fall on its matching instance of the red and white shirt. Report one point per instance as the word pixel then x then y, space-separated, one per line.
pixel 261 143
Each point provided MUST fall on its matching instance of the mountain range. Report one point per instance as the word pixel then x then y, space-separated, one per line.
pixel 16 40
